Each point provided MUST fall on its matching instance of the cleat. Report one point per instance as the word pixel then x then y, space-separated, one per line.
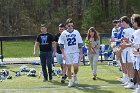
pixel 130 86
pixel 65 76
pixel 63 80
pixel 70 84
pixel 137 90
pixel 94 77
pixel 75 80
pixel 45 80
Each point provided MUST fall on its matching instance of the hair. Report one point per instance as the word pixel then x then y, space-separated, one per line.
pixel 137 20
pixel 125 19
pixel 96 34
pixel 133 15
pixel 69 20
pixel 43 25
pixel 114 21
pixel 61 25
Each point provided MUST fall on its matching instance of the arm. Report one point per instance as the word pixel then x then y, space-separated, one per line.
pixel 98 44
pixel 81 52
pixel 113 40
pixel 125 45
pixel 36 47
pixel 62 50
pixel 54 44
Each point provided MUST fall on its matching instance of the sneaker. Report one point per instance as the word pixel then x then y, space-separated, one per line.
pixel 63 80
pixel 120 79
pixel 94 77
pixel 70 84
pixel 75 79
pixel 124 80
pixel 125 84
pixel 130 85
pixel 137 90
pixel 45 80
pixel 65 76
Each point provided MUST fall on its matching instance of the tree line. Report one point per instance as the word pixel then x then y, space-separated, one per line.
pixel 23 17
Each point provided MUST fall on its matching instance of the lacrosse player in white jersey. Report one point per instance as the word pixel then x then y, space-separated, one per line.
pixel 127 52
pixel 70 42
pixel 136 50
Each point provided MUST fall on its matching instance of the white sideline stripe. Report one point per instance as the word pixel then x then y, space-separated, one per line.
pixel 29 60
pixel 56 87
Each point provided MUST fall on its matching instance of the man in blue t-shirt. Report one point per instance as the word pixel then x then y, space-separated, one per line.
pixel 44 41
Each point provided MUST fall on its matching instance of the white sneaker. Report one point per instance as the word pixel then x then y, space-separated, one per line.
pixel 123 80
pixel 120 79
pixel 137 90
pixel 125 84
pixel 70 84
pixel 75 79
pixel 130 85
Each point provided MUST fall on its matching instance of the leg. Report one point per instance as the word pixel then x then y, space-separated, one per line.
pixel 95 60
pixel 43 64
pixel 84 59
pixel 90 58
pixel 130 70
pixel 69 71
pixel 69 75
pixel 64 76
pixel 49 64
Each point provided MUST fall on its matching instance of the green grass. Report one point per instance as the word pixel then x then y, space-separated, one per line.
pixel 18 49
pixel 106 81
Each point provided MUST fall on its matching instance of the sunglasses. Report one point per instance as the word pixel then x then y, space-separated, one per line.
pixel 61 29
pixel 70 25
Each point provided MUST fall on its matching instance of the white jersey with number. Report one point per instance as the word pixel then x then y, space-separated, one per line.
pixel 136 39
pixel 70 41
pixel 136 42
pixel 127 33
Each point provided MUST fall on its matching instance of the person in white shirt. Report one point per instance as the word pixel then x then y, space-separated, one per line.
pixel 136 50
pixel 70 42
pixel 127 52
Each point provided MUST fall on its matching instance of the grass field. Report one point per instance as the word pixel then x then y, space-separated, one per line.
pixel 17 49
pixel 106 81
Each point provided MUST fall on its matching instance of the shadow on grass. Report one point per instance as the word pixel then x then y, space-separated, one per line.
pixel 94 90
pixel 58 82
pixel 109 81
pixel 4 67
pixel 91 88
pixel 82 87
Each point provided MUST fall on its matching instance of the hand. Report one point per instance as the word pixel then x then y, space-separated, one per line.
pixel 53 55
pixel 112 40
pixel 63 56
pixel 34 53
pixel 81 56
pixel 123 45
pixel 125 39
pixel 135 52
pixel 93 51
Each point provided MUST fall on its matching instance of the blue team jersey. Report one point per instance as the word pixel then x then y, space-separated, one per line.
pixel 117 34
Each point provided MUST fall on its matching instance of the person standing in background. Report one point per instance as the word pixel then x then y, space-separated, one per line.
pixel 59 54
pixel 136 50
pixel 93 48
pixel 44 41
